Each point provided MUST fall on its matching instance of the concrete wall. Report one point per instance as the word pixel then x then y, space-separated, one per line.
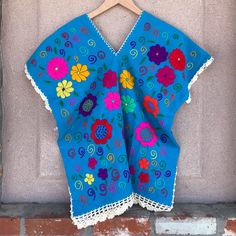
pixel 205 128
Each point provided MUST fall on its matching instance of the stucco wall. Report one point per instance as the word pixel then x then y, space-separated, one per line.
pixel 205 128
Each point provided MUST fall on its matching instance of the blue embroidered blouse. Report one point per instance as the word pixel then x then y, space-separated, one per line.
pixel 114 111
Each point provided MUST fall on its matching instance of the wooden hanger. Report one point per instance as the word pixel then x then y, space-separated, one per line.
pixel 107 4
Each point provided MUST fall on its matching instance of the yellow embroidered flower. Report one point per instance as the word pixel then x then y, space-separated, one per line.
pixel 79 72
pixel 64 88
pixel 89 179
pixel 127 80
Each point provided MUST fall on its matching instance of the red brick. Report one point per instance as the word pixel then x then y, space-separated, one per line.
pixel 52 226
pixel 231 225
pixel 9 226
pixel 123 226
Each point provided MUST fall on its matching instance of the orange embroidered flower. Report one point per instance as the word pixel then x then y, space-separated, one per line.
pixel 144 163
pixel 151 105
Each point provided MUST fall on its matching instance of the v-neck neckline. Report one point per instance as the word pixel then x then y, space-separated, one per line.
pixel 107 44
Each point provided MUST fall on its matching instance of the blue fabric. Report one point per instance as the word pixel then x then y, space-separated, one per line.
pixel 114 110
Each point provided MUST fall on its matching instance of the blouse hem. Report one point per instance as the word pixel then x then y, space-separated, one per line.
pixel 111 210
pixel 196 76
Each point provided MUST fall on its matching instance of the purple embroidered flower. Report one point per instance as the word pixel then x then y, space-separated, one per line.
pixel 157 54
pixel 87 105
pixel 102 173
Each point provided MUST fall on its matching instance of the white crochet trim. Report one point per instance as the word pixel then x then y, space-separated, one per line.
pixel 36 88
pixel 111 210
pixel 196 76
pixel 107 43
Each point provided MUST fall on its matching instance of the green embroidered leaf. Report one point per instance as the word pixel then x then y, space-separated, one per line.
pixel 101 158
pixel 92 69
pixel 168 42
pixel 61 103
pixel 151 41
pixel 180 44
pixel 42 68
pixel 134 115
pixel 104 66
pixel 175 36
pixel 76 94
pixel 160 114
pixel 81 176
pixel 108 147
pixel 142 61
pixel 103 115
pixel 110 168
pixel 100 79
pixel 55 50
pixel 68 58
pixel 95 188
pixel 48 81
pixel 120 125
pixel 154 94
pixel 157 144
pixel 112 120
pixel 150 77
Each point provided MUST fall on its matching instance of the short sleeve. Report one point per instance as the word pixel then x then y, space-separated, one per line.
pixel 197 60
pixel 39 70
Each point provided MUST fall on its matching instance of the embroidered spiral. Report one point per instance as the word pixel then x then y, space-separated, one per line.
pixel 126 174
pixel 115 174
pixel 164 138
pixel 92 59
pixel 68 44
pixel 142 40
pixel 111 157
pixel 91 43
pixel 167 173
pixel 79 185
pixel 147 26
pixel 134 53
pixel 43 54
pixel 103 189
pixel 91 149
pixel 100 151
pixel 64 112
pixel 78 137
pixel 143 70
pixel 162 165
pixel 143 49
pixel 153 154
pixel 159 183
pixel 81 152
pixel 133 44
pixel 101 54
pixel 68 138
pixel 91 193
pixel 84 51
pixel 157 174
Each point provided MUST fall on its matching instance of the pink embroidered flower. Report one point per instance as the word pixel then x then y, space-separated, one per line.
pixel 57 68
pixel 109 79
pixel 92 163
pixel 166 76
pixel 145 134
pixel 112 101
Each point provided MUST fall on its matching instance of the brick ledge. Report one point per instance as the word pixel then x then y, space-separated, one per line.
pixel 185 219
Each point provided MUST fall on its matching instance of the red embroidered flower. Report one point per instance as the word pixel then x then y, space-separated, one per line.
pixel 109 79
pixel 101 131
pixel 92 163
pixel 177 59
pixel 144 163
pixel 166 76
pixel 151 105
pixel 144 177
pixel 131 170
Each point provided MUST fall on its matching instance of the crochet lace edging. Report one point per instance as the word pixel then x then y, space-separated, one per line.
pixel 36 88
pixel 111 210
pixel 107 43
pixel 196 76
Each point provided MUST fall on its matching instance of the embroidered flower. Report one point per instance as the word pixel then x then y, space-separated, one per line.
pixel 151 105
pixel 177 59
pixel 128 103
pixel 166 76
pixel 157 54
pixel 57 68
pixel 64 89
pixel 92 163
pixel 101 131
pixel 144 163
pixel 112 100
pixel 102 173
pixel 131 170
pixel 127 80
pixel 89 179
pixel 144 177
pixel 87 105
pixel 79 72
pixel 109 79
pixel 145 134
